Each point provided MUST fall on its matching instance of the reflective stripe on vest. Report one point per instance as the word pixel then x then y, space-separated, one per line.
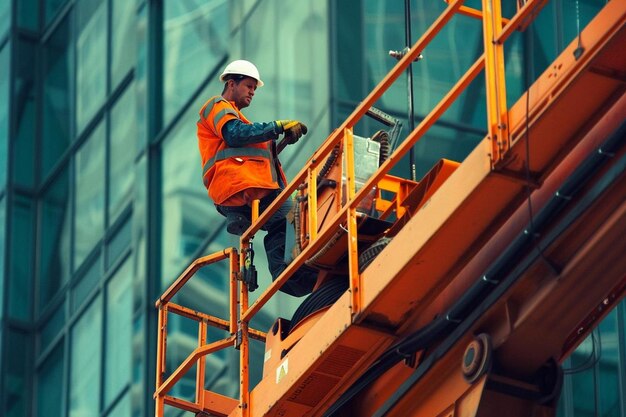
pixel 235 153
pixel 210 104
pixel 223 113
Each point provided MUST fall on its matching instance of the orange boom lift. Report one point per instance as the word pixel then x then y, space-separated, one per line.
pixel 460 294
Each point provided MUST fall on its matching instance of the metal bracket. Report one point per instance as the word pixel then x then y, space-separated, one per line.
pixel 529 181
pixel 250 276
pixel 238 337
pixel 387 120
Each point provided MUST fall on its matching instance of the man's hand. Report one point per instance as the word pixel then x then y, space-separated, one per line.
pixel 292 129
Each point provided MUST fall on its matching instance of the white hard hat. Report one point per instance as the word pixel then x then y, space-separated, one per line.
pixel 242 67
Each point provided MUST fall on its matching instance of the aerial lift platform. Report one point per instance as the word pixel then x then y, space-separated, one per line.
pixel 465 290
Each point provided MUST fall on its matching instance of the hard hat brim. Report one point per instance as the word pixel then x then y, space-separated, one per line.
pixel 259 82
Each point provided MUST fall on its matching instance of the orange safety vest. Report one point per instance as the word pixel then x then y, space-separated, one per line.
pixel 227 171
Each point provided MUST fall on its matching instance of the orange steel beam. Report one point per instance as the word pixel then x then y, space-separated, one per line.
pixel 255 209
pixel 353 255
pixel 241 342
pixel 201 364
pixel 497 121
pixel 233 287
pixel 312 201
pixel 161 348
pixel 244 360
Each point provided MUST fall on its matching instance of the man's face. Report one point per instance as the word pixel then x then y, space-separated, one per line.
pixel 243 92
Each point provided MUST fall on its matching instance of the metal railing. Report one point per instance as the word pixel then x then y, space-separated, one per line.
pixel 165 306
pixel 496 30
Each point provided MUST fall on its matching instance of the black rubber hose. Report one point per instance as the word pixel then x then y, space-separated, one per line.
pixel 324 296
pixel 385 149
pixel 330 161
pixel 296 225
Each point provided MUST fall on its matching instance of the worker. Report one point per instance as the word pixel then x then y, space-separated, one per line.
pixel 240 164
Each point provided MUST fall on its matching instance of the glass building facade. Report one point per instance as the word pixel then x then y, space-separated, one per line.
pixel 101 199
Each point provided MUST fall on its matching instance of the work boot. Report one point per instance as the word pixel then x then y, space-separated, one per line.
pixel 237 223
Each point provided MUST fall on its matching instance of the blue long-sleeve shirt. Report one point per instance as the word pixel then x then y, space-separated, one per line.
pixel 237 133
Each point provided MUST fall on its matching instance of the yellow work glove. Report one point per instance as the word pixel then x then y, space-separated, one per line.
pixel 292 129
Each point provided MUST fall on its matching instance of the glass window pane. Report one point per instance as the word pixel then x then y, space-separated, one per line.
pixel 52 327
pixel 196 37
pixel 141 79
pixel 27 14
pixel 577 14
pixel 608 367
pixel 442 142
pixel 54 268
pixel 86 284
pixel 119 333
pixel 4 112
pixel 119 243
pixel 139 237
pixel 91 64
pixel 24 108
pixel 123 39
pixel 50 385
pixel 16 383
pixel 383 31
pixel 582 370
pixel 123 144
pixel 20 298
pixel 89 198
pixel 349 54
pixel 293 81
pixel 3 228
pixel 515 65
pixel 543 40
pixel 5 17
pixel 85 363
pixel 188 214
pixel 122 408
pixel 57 55
pixel 51 8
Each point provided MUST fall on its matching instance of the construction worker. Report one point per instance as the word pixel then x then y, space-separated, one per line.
pixel 240 164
